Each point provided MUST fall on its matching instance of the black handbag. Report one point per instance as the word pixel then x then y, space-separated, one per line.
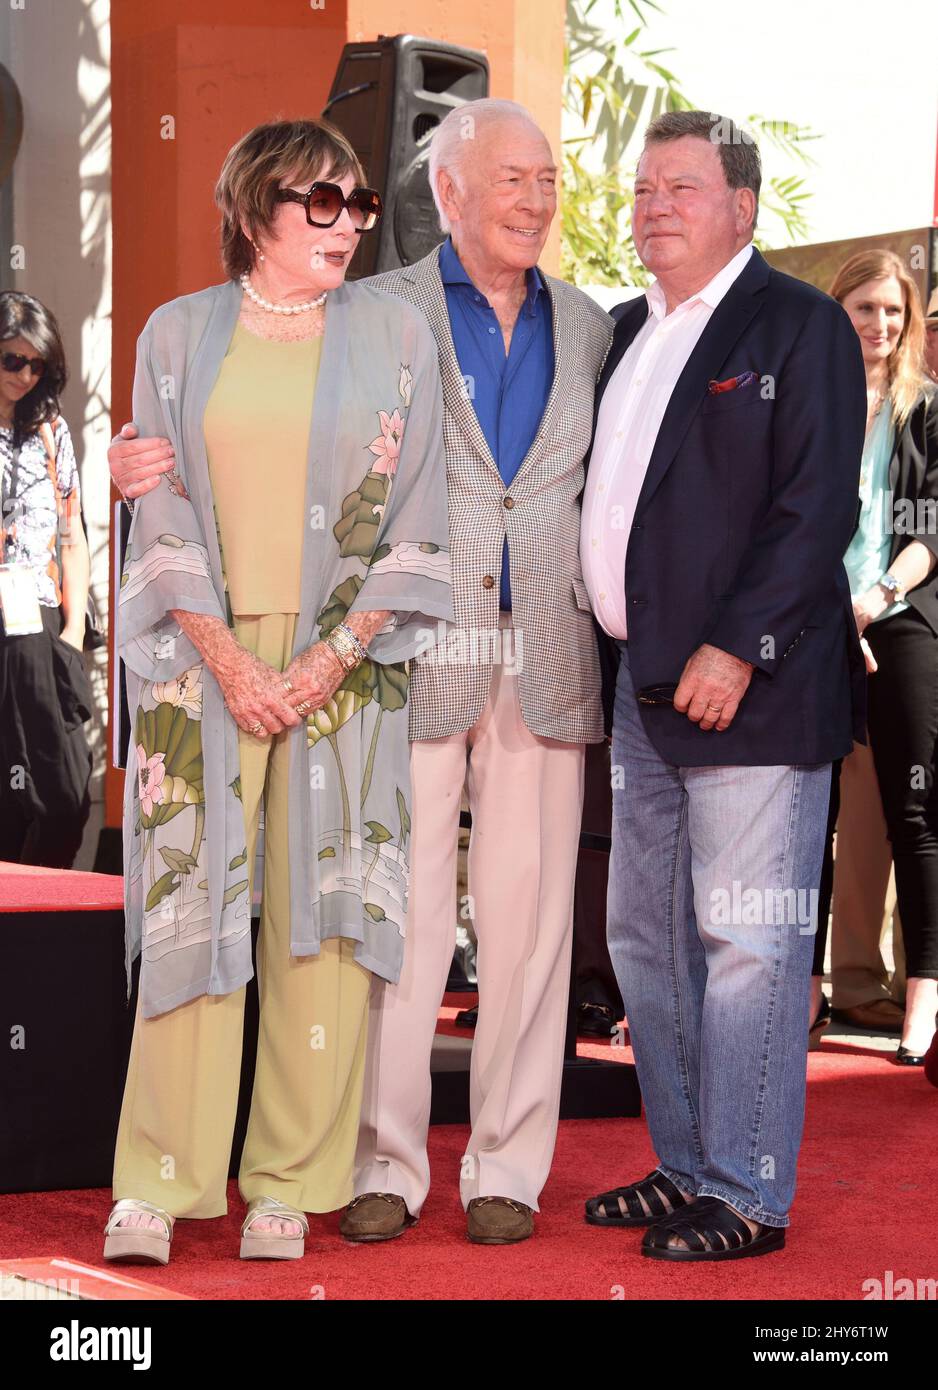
pixel 72 684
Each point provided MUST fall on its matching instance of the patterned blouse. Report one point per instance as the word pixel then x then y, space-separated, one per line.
pixel 29 504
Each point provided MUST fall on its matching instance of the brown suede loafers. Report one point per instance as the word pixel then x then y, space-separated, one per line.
pixel 498 1221
pixel 375 1216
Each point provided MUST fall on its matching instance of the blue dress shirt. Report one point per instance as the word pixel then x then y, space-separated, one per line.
pixel 509 391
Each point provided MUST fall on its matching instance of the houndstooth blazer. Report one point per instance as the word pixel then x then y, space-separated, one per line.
pixel 558 676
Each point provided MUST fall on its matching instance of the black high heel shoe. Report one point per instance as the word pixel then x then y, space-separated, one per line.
pixel 904 1058
pixel 820 1025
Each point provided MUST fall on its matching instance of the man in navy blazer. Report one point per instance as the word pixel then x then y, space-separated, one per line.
pixel 720 498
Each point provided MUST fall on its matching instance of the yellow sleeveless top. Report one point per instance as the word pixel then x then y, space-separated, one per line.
pixel 256 426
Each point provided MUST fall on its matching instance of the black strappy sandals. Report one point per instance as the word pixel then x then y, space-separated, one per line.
pixel 606 1209
pixel 711 1230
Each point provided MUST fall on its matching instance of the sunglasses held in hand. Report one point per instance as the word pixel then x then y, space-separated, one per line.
pixel 657 694
pixel 324 203
pixel 15 362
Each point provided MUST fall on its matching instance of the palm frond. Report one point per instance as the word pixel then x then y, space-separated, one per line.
pixel 613 88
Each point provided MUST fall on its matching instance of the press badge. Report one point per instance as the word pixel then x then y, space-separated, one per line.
pixel 19 600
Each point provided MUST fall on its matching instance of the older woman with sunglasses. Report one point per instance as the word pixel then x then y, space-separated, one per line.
pixel 278 578
pixel 44 690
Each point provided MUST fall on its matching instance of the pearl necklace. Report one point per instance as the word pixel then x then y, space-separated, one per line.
pixel 279 308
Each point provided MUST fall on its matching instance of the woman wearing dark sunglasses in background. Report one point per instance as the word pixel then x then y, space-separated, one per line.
pixel 277 579
pixel 45 694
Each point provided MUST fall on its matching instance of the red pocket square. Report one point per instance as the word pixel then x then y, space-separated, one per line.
pixel 731 383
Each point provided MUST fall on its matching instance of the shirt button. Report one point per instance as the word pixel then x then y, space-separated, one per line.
pixel 509 502
pixel 618 434
pixel 602 595
pixel 488 582
pixel 601 488
pixel 491 330
pixel 595 542
pixel 478 298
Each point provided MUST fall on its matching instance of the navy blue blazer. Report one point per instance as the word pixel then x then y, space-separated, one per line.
pixel 746 510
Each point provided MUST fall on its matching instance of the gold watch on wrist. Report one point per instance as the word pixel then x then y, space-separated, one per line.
pixel 346 646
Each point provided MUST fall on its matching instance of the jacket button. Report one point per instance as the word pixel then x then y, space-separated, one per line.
pixel 488 582
pixel 509 502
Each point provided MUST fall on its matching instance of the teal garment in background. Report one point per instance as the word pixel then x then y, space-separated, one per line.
pixel 867 557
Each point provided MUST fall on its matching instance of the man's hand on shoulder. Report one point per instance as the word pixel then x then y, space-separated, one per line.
pixel 138 464
pixel 711 686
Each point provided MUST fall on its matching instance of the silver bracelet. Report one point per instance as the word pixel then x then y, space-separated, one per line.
pixel 346 629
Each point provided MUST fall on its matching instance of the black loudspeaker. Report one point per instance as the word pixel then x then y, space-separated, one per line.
pixel 387 98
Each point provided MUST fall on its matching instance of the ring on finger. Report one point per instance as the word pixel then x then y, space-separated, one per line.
pixel 256 728
pixel 305 707
pixel 287 684
pixel 716 707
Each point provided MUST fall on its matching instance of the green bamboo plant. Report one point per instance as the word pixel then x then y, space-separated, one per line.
pixel 614 86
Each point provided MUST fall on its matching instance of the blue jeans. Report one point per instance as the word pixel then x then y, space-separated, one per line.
pixel 711 919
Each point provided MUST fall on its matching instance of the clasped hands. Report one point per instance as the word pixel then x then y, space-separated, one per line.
pixel 264 701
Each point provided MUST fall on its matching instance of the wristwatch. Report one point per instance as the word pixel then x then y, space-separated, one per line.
pixel 890 587
pixel 346 646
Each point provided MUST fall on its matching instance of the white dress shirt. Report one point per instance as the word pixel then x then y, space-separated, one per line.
pixel 633 406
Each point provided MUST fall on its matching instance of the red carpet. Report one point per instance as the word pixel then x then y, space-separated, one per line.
pixel 865 1205
pixel 26 888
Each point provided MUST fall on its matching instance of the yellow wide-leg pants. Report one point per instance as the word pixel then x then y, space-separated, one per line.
pixel 181 1093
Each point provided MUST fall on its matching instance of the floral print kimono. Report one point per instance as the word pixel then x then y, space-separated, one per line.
pixel 376 538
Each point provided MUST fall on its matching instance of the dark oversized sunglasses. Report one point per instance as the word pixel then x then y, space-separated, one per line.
pixel 15 362
pixel 324 203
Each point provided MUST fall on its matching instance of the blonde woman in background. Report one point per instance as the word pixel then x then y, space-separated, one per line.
pixel 891 564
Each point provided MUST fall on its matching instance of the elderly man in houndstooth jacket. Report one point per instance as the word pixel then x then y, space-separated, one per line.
pixel 519 355
pixel 505 703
